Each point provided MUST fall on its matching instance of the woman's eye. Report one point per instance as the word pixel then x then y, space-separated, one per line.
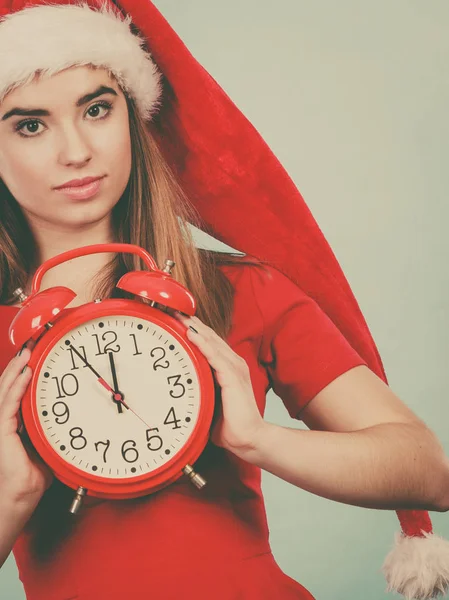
pixel 29 126
pixel 95 109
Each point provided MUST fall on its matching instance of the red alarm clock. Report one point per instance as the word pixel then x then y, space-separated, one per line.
pixel 120 402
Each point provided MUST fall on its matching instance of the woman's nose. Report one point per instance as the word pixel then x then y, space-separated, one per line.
pixel 74 148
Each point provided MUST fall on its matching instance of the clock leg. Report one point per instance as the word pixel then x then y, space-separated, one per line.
pixel 78 500
pixel 195 478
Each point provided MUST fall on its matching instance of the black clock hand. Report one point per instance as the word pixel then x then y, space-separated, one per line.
pixel 114 379
pixel 99 377
pixel 116 395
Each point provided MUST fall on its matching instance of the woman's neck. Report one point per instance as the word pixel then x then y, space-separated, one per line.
pixel 51 240
pixel 77 274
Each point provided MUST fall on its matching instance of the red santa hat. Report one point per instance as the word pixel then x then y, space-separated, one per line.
pixel 241 191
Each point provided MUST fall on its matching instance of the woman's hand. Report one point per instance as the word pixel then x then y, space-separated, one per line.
pixel 240 423
pixel 23 475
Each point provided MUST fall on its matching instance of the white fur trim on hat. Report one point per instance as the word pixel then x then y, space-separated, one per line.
pixel 47 39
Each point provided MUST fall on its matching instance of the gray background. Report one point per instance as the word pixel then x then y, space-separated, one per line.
pixel 352 97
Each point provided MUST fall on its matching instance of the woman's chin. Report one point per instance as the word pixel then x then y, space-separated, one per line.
pixel 83 216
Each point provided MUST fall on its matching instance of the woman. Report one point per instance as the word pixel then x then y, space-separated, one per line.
pixel 86 117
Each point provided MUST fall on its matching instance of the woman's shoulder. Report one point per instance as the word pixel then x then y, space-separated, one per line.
pixel 264 279
pixel 263 291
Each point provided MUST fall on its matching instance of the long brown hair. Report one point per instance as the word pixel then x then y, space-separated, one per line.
pixel 153 213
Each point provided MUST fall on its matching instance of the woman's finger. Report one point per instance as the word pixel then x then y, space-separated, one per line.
pixel 205 331
pixel 231 371
pixel 10 404
pixel 12 372
pixel 216 344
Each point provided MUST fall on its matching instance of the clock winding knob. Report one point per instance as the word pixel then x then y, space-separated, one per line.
pixel 78 500
pixel 195 478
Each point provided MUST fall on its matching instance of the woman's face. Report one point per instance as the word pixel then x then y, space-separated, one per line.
pixel 77 127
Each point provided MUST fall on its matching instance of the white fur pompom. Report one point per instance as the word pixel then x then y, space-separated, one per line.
pixel 418 567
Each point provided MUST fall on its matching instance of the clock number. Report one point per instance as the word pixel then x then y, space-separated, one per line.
pixel 62 385
pixel 174 420
pixel 177 383
pixel 79 436
pixel 155 364
pixel 65 412
pixel 108 344
pixel 133 335
pixel 72 356
pixel 107 443
pixel 150 439
pixel 133 449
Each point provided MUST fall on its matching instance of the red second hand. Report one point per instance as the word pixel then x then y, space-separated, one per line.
pixel 106 385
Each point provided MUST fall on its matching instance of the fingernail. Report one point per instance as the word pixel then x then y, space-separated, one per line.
pixel 24 369
pixel 193 329
pixel 22 349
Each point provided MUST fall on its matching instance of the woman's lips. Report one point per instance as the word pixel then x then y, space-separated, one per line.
pixel 82 192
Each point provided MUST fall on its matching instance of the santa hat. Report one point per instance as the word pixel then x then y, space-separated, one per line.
pixel 237 185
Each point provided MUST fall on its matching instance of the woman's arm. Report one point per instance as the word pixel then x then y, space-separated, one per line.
pixel 14 515
pixel 367 448
pixel 387 466
pixel 375 452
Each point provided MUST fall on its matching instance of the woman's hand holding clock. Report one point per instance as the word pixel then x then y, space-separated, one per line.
pixel 24 477
pixel 165 379
pixel 240 423
pixel 238 428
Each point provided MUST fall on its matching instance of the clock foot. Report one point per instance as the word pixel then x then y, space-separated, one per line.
pixel 195 478
pixel 77 501
pixel 20 294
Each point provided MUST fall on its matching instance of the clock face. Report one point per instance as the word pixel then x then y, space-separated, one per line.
pixel 88 425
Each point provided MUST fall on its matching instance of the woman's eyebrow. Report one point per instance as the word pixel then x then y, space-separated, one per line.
pixel 41 112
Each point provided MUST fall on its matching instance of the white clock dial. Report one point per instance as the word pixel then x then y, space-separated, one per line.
pixel 98 435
